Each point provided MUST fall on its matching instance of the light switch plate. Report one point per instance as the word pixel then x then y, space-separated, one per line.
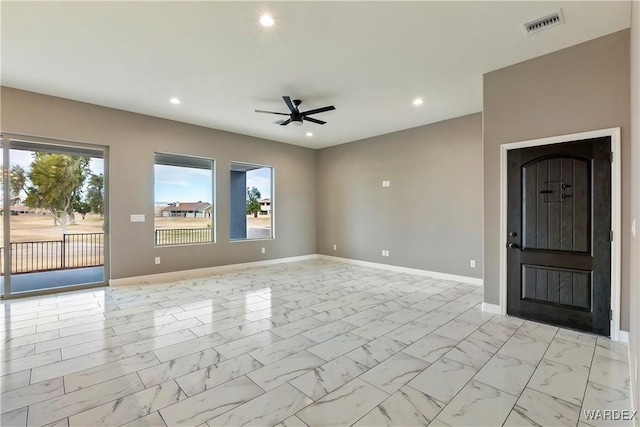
pixel 137 218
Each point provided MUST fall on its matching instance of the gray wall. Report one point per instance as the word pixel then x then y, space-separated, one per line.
pixel 581 88
pixel 132 140
pixel 634 321
pixel 429 218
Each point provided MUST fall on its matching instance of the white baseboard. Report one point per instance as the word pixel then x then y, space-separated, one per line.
pixel 491 308
pixel 416 271
pixel 200 272
pixel 623 336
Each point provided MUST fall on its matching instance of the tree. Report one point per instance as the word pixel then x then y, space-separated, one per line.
pixel 95 194
pixel 253 201
pixel 56 181
pixel 82 208
pixel 17 183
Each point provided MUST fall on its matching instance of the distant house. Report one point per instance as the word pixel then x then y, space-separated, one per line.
pixel 187 210
pixel 20 209
pixel 265 206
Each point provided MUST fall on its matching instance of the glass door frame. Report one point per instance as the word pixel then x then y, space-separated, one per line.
pixel 6 138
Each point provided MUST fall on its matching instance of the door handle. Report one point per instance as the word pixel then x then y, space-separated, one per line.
pixel 513 246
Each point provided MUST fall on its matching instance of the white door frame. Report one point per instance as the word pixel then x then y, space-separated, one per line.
pixel 8 137
pixel 616 200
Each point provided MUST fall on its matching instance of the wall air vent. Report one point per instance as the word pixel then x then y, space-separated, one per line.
pixel 544 23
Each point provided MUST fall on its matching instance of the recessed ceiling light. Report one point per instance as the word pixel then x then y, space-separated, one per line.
pixel 174 101
pixel 266 20
pixel 417 101
pixel 309 134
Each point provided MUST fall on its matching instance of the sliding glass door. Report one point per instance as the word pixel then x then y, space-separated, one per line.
pixel 54 216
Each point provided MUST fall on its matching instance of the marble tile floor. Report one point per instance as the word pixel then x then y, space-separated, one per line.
pixel 316 343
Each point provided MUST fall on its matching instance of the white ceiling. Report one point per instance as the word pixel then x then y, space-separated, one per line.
pixel 369 59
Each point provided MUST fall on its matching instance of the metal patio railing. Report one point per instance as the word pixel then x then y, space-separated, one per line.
pixel 179 236
pixel 73 251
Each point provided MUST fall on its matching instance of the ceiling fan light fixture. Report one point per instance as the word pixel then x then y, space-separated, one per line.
pixel 267 20
pixel 297 122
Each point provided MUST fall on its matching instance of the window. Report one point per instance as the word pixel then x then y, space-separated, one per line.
pixel 184 210
pixel 251 202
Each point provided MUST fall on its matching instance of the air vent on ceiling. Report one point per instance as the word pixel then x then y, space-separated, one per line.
pixel 546 22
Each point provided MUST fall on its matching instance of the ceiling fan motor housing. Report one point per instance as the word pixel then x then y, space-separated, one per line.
pixel 297 119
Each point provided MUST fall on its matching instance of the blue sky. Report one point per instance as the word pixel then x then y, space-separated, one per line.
pixel 24 158
pixel 261 179
pixel 172 183
pixel 182 184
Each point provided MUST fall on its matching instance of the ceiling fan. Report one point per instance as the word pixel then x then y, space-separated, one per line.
pixel 296 116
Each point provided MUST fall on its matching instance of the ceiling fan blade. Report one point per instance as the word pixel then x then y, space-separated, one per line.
pixel 289 103
pixel 318 110
pixel 271 112
pixel 286 122
pixel 311 119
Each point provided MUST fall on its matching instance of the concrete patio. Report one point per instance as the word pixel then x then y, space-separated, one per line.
pixel 28 282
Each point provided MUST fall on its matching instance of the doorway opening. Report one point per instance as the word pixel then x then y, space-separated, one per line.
pixel 54 216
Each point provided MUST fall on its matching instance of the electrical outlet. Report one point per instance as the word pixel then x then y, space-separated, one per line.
pixel 335 247
pixel 386 183
pixel 264 250
pixel 157 260
pixel 383 253
pixel 472 263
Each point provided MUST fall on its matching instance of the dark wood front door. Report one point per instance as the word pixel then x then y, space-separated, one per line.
pixel 558 234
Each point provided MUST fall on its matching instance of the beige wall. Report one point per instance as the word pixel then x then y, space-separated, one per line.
pixel 132 140
pixel 634 321
pixel 429 218
pixel 581 88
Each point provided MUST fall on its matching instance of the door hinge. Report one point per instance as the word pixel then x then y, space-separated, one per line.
pixel 611 156
pixel 610 314
pixel 611 235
